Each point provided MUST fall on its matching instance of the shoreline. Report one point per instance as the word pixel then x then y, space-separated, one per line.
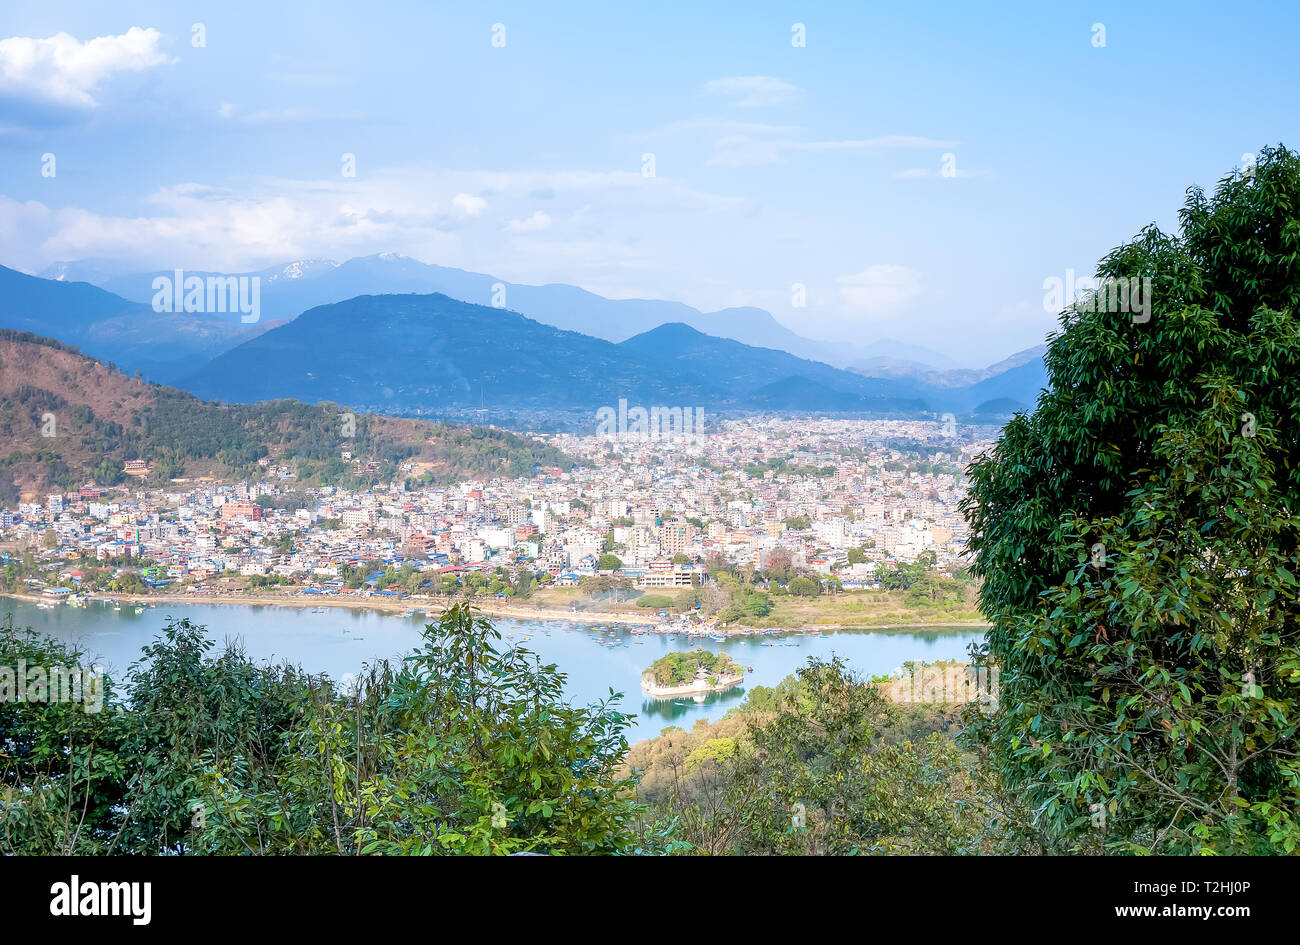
pixel 387 606
pixel 504 611
pixel 691 689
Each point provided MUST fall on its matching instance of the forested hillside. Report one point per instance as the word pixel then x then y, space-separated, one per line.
pixel 66 418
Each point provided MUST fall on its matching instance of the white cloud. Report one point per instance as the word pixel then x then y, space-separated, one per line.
pixel 881 143
pixel 922 173
pixel 616 233
pixel 540 220
pixel 744 144
pixel 302 78
pixel 751 144
pixel 469 204
pixel 751 91
pixel 738 151
pixel 227 110
pixel 61 70
pixel 879 291
pixel 280 116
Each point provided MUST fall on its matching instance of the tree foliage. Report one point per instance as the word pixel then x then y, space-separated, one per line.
pixel 1137 542
pixel 822 764
pixel 462 748
pixel 679 668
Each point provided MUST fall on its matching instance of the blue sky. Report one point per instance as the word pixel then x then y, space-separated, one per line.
pixel 774 164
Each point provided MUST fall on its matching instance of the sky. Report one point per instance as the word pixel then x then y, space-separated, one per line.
pixel 860 170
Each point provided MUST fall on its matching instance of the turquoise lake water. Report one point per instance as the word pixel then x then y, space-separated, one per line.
pixel 338 640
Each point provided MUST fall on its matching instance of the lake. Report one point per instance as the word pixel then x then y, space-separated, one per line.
pixel 338 640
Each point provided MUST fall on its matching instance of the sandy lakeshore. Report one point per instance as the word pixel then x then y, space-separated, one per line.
pixel 367 603
pixel 488 608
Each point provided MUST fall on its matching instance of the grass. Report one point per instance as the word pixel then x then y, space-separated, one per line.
pixel 862 608
pixel 849 609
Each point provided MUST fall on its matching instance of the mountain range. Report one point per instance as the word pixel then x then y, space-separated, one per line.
pixel 403 353
pixel 292 288
pixel 161 345
pixel 421 353
pixel 410 353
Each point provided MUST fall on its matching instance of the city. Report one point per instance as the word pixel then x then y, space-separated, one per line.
pixel 841 497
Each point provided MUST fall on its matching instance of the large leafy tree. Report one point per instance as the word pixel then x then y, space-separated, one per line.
pixel 1137 540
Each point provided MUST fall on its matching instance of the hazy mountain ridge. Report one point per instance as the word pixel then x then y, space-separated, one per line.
pixel 412 352
pixel 321 282
pixel 161 345
pixel 405 353
pixel 951 378
pixel 415 353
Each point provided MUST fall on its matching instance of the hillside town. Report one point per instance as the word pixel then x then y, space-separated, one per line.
pixel 842 497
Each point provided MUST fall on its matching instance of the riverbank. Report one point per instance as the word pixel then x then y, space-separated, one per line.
pixel 419 604
pixel 489 608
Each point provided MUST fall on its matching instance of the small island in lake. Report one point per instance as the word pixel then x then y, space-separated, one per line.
pixel 691 673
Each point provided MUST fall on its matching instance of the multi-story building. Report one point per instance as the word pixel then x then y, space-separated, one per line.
pixel 676 536
pixel 663 573
pixel 241 511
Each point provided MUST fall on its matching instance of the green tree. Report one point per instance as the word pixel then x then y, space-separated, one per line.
pixel 675 669
pixel 1138 544
pixel 803 587
pixel 63 770
pixel 822 764
pixel 524 581
pixel 190 712
pixel 464 749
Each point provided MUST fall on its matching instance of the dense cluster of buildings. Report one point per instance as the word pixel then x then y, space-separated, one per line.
pixel 888 491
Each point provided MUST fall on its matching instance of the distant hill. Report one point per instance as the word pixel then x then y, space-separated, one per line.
pixel 292 288
pixel 757 327
pixel 94 271
pixel 161 345
pixel 398 355
pixel 996 411
pixel 404 353
pixel 750 373
pixel 415 353
pixel 798 394
pixel 280 286
pixel 950 378
pixel 66 418
pixel 1020 385
pixel 889 348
